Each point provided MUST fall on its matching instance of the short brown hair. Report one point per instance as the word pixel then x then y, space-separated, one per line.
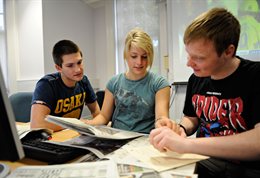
pixel 217 25
pixel 62 48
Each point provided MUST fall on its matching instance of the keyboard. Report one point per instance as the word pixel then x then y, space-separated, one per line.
pixel 51 153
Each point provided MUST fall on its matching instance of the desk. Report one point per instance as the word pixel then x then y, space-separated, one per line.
pixel 68 134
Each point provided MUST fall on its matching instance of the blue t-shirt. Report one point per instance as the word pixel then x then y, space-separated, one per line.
pixel 135 101
pixel 63 101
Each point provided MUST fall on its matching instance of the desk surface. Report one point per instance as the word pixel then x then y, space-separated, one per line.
pixel 57 136
pixel 65 135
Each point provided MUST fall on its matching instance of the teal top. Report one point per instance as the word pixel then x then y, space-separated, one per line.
pixel 135 101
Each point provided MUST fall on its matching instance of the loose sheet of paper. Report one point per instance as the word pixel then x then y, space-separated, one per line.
pixel 99 169
pixel 157 160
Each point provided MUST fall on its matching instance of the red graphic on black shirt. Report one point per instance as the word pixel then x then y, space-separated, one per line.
pixel 219 116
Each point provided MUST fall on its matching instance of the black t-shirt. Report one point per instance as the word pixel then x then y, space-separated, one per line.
pixel 63 101
pixel 227 106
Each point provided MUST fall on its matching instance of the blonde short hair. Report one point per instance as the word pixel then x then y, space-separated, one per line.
pixel 140 39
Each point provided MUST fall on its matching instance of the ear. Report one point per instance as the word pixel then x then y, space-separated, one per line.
pixel 230 50
pixel 58 68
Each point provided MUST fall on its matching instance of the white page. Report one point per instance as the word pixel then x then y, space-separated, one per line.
pixel 143 151
pixel 99 169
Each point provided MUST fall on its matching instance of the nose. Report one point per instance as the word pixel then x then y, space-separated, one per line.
pixel 189 62
pixel 139 60
pixel 77 68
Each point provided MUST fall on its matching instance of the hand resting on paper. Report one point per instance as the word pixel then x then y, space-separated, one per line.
pixel 166 122
pixel 164 139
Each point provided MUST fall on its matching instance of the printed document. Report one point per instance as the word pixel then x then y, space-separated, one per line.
pixel 99 169
pixel 159 161
pixel 101 131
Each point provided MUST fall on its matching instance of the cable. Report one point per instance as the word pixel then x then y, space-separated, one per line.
pixel 174 89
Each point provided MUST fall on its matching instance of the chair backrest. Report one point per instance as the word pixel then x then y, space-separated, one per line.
pixel 21 104
pixel 100 97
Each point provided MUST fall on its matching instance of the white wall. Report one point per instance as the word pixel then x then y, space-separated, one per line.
pixel 104 42
pixel 90 27
pixel 71 20
pixel 34 26
pixel 24 43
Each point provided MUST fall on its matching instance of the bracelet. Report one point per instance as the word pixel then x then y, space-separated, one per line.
pixel 183 128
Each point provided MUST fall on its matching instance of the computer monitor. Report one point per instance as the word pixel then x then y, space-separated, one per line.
pixel 11 148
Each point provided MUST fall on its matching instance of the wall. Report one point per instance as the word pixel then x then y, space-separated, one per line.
pixel 71 20
pixel 104 42
pixel 34 26
pixel 24 43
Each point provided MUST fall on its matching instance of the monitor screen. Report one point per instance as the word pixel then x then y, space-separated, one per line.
pixel 11 147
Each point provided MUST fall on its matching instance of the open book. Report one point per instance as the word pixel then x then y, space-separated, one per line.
pixel 101 131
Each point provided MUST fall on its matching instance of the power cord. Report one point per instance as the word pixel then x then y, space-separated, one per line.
pixel 174 89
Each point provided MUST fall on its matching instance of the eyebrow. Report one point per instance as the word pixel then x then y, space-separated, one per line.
pixel 80 60
pixel 137 53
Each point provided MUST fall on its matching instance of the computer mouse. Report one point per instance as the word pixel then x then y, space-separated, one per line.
pixel 37 134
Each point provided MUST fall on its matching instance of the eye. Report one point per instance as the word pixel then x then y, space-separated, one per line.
pixel 144 57
pixel 133 57
pixel 80 62
pixel 199 58
pixel 70 65
pixel 196 58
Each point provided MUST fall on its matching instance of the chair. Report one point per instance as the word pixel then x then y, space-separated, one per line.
pixel 21 104
pixel 100 97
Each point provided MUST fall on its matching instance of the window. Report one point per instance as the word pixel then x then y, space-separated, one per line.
pixel 136 13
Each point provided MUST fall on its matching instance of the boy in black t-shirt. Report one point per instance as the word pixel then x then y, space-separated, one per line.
pixel 222 102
